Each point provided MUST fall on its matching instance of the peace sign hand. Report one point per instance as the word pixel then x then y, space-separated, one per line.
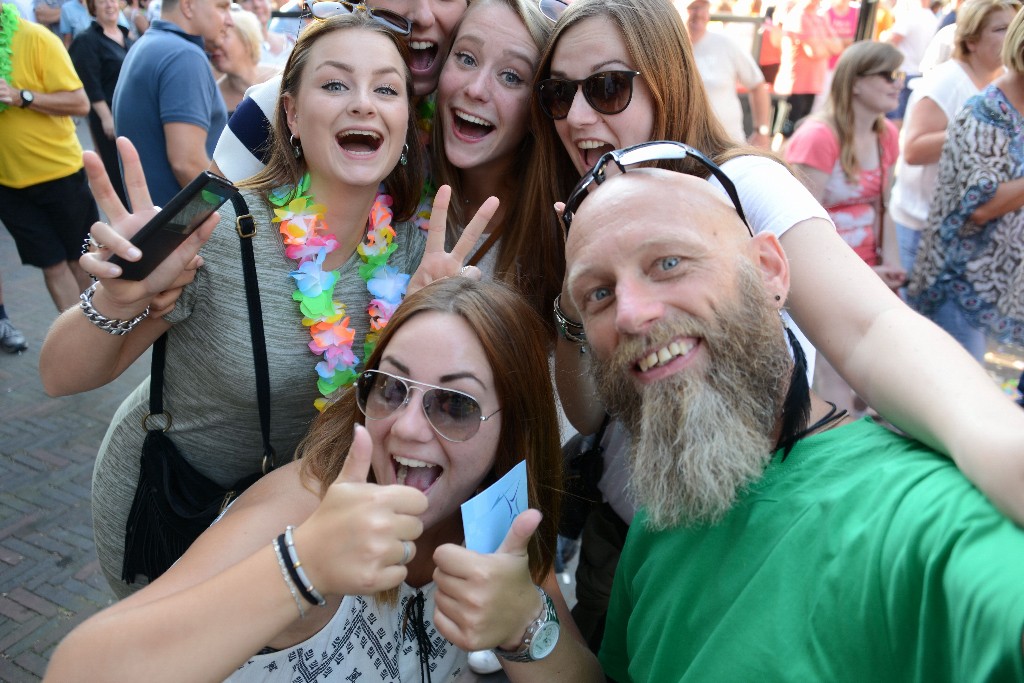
pixel 121 297
pixel 438 263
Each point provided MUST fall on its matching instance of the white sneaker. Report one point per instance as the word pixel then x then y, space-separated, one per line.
pixel 484 662
pixel 11 339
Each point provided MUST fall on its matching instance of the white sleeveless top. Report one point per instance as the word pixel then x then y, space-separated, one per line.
pixel 365 641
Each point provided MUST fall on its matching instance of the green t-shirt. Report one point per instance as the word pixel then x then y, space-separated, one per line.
pixel 863 556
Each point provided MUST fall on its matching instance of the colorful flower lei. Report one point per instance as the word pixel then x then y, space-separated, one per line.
pixel 308 241
pixel 9 22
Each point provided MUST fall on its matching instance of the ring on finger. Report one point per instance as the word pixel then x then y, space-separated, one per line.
pixel 464 269
pixel 406 553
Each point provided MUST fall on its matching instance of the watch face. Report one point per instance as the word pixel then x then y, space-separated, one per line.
pixel 544 640
pixel 27 96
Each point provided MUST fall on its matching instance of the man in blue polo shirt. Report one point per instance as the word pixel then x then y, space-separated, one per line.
pixel 167 102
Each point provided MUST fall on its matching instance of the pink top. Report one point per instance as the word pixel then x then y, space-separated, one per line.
pixel 852 206
pixel 798 73
pixel 843 25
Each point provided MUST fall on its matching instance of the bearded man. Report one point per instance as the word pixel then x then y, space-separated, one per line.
pixel 772 543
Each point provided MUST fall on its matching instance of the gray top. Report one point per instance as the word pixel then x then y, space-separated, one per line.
pixel 209 380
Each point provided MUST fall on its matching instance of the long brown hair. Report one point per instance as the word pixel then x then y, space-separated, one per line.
pixel 858 60
pixel 661 51
pixel 404 182
pixel 522 253
pixel 513 340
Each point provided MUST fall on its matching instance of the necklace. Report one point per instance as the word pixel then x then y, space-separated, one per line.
pixel 307 240
pixel 833 415
pixel 9 22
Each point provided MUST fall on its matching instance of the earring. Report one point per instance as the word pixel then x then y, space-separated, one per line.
pixel 296 146
pixel 404 159
pixel 778 298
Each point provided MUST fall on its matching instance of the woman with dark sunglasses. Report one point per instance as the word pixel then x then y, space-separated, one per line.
pixel 900 364
pixel 334 254
pixel 373 581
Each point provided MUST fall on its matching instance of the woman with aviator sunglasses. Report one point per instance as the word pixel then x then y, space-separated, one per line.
pixel 903 366
pixel 454 396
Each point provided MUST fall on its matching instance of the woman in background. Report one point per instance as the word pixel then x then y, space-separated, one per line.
pixel 238 58
pixel 845 157
pixel 97 54
pixel 972 251
pixel 937 97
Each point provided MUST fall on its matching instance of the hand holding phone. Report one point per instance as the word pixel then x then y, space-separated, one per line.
pixel 174 223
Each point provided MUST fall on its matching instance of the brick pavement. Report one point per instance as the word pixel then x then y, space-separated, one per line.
pixel 49 576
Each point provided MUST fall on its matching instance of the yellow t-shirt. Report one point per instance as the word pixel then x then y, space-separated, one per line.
pixel 36 147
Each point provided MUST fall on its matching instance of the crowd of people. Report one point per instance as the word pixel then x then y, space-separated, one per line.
pixel 451 222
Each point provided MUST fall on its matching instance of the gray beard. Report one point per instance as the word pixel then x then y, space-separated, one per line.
pixel 701 437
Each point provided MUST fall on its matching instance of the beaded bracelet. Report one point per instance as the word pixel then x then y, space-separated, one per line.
pixel 108 325
pixel 302 582
pixel 568 329
pixel 288 579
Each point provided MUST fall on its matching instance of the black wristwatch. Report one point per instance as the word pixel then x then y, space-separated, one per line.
pixel 27 98
pixel 541 636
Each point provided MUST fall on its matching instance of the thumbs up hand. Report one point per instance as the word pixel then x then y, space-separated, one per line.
pixel 360 538
pixel 486 601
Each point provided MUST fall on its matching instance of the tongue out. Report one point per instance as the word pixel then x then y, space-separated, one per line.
pixel 420 478
pixel 423 59
pixel 590 156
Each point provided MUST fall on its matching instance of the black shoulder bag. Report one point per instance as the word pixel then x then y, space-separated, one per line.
pixel 174 503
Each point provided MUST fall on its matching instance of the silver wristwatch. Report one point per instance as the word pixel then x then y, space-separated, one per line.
pixel 108 325
pixel 541 636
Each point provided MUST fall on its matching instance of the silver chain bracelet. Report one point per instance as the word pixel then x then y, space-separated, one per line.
pixel 117 327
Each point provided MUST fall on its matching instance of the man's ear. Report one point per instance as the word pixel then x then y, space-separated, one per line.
pixel 770 259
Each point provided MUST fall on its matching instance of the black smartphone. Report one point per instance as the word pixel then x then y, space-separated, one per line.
pixel 183 214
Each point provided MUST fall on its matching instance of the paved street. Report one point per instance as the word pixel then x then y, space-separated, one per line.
pixel 49 576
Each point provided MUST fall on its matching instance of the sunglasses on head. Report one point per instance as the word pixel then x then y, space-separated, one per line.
pixel 325 9
pixel 608 92
pixel 553 9
pixel 644 153
pixel 889 76
pixel 454 415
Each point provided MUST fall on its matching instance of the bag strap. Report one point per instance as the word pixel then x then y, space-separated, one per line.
pixel 245 226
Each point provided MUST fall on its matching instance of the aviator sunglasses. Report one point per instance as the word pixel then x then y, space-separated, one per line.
pixel 454 415
pixel 646 152
pixel 608 92
pixel 553 9
pixel 325 9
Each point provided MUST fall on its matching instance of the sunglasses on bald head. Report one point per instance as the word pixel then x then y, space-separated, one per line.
pixel 608 92
pixel 325 9
pixel 454 415
pixel 646 152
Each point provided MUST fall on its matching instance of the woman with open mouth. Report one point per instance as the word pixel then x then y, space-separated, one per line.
pixel 618 74
pixel 481 144
pixel 342 566
pixel 334 254
pixel 242 149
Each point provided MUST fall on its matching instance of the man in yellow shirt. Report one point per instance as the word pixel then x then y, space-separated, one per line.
pixel 44 195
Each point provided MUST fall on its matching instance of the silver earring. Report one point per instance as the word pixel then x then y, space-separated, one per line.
pixel 404 159
pixel 296 146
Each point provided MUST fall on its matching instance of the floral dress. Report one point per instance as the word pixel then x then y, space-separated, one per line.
pixel 979 267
